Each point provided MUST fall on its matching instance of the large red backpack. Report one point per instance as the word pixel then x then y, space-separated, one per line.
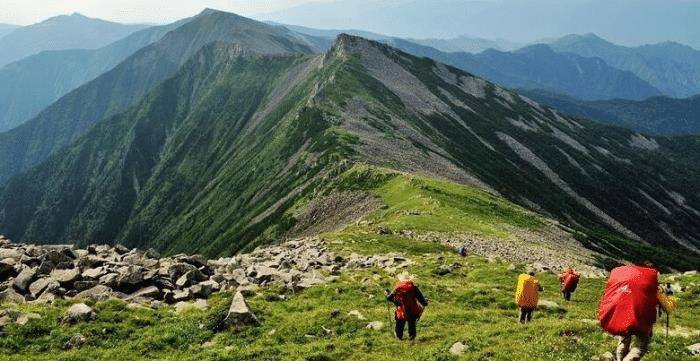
pixel 407 305
pixel 569 281
pixel 629 303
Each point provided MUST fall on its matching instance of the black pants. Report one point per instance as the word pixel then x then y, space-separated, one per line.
pixel 526 314
pixel 567 295
pixel 400 324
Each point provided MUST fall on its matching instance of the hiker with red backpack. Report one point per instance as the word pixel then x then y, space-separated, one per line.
pixel 569 281
pixel 409 304
pixel 628 308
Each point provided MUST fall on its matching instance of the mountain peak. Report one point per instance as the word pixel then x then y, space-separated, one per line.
pixel 536 49
pixel 346 44
pixel 211 11
pixel 590 38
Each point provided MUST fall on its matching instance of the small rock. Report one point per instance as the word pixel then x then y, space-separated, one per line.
pixel 84 285
pixel 548 305
pixel 120 249
pixel 182 295
pixel 75 342
pixel 147 292
pixel 190 278
pixel 79 312
pixel 443 270
pixel 65 276
pixel 694 349
pixel 94 273
pixel 239 314
pixel 130 276
pixel 10 296
pixel 357 314
pixel 24 279
pixel 375 325
pixel 458 348
pixel 99 293
pixel 25 317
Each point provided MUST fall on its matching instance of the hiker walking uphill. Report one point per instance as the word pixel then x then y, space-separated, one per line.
pixel 409 303
pixel 527 294
pixel 628 308
pixel 569 281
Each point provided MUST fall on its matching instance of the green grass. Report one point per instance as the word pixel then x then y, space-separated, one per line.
pixel 474 304
pixel 425 204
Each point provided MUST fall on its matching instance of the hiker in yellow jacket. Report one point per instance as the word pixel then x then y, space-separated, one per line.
pixel 527 294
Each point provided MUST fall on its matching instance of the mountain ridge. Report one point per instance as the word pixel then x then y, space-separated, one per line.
pixel 539 67
pixel 70 116
pixel 61 32
pixel 29 85
pixel 669 66
pixel 233 169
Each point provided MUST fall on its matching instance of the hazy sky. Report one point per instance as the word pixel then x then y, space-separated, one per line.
pixel 24 12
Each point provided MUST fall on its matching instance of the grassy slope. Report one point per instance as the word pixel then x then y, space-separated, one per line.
pixel 426 204
pixel 473 304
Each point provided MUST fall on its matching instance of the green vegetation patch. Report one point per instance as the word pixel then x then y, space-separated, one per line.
pixel 422 204
pixel 473 304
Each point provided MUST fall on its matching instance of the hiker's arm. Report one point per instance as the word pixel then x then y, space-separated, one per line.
pixel 390 297
pixel 421 298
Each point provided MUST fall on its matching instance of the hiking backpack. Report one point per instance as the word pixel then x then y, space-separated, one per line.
pixel 629 303
pixel 569 281
pixel 407 305
pixel 527 291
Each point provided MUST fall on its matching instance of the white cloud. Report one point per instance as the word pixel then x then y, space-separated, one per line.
pixel 24 12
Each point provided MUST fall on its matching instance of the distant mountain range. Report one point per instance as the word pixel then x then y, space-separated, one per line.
pixel 114 91
pixel 624 22
pixel 670 67
pixel 467 44
pixel 539 67
pixel 657 115
pixel 7 28
pixel 31 84
pixel 61 32
pixel 212 138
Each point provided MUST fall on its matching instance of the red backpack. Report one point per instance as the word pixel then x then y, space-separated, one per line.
pixel 407 304
pixel 569 281
pixel 629 303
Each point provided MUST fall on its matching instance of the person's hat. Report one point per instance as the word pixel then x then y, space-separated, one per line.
pixel 404 276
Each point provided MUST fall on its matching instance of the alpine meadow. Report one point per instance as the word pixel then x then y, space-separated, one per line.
pixel 263 187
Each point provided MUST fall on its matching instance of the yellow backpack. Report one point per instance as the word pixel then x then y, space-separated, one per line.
pixel 668 303
pixel 527 292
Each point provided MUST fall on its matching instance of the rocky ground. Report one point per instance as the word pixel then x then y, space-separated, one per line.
pixel 41 274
